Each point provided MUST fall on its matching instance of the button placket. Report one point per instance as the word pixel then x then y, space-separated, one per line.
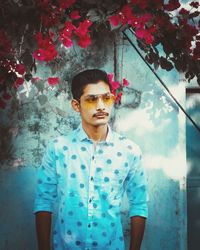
pixel 90 199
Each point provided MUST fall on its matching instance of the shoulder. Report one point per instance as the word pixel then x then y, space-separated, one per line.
pixel 62 141
pixel 126 144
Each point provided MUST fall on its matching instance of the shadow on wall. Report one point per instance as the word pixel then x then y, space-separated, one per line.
pixel 164 221
pixel 17 231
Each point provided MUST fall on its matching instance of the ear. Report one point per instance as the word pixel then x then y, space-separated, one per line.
pixel 75 105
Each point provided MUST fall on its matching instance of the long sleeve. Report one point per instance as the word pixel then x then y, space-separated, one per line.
pixel 46 190
pixel 137 187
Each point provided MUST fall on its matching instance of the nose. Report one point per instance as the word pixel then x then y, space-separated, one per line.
pixel 100 104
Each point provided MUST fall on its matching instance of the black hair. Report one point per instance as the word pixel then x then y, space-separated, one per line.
pixel 90 76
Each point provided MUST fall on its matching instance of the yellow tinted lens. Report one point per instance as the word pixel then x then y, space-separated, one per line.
pixel 108 99
pixel 91 99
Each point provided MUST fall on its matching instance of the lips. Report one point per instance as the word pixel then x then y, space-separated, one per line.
pixel 100 114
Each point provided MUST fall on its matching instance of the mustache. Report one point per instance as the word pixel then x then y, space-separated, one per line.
pixel 100 114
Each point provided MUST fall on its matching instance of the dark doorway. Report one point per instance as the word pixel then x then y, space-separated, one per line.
pixel 193 163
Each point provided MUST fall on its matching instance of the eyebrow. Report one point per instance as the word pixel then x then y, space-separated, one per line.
pixel 91 95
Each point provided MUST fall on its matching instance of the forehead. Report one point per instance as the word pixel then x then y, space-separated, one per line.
pixel 96 88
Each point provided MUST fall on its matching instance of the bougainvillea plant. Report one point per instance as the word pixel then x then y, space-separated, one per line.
pixel 33 30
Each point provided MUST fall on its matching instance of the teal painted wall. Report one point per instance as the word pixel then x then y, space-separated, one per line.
pixel 147 115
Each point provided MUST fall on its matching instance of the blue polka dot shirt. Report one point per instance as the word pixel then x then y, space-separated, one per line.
pixel 87 185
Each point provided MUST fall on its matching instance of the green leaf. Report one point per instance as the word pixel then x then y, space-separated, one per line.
pixel 165 64
pixel 61 112
pixel 42 99
pixel 39 85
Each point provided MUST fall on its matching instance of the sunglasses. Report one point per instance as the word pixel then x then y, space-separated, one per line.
pixel 91 100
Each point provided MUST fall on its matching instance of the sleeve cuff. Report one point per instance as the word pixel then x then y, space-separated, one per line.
pixel 138 212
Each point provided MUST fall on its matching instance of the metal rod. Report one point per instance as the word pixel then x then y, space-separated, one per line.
pixel 160 80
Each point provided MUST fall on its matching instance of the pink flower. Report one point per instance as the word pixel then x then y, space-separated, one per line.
pixel 114 20
pixel 127 11
pixel 125 82
pixel 47 54
pixel 75 15
pixel 84 41
pixel 53 81
pixel 83 27
pixel 118 97
pixel 67 42
pixel 110 77
pixel 47 50
pixel 69 27
pixel 114 85
pixel 144 34
pixel 20 68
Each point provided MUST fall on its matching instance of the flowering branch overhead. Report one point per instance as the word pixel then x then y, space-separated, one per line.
pixel 49 24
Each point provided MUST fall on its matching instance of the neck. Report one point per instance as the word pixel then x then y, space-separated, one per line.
pixel 96 133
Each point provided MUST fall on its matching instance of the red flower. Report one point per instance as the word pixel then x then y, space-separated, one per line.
pixel 53 81
pixel 110 77
pixel 114 20
pixel 19 81
pixel 143 4
pixel 127 11
pixel 183 11
pixel 69 27
pixel 2 104
pixel 20 68
pixel 83 27
pixel 66 3
pixel 36 79
pixel 172 5
pixel 43 42
pixel 145 18
pixel 84 41
pixel 75 15
pixel 118 97
pixel 47 50
pixel 114 85
pixel 6 96
pixel 145 35
pixel 125 82
pixel 67 42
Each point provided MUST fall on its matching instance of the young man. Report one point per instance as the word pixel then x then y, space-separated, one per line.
pixel 86 172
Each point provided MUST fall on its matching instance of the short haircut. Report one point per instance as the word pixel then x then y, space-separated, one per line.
pixel 90 76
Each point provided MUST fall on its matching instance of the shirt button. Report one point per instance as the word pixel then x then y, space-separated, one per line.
pixel 90 200
pixel 92 178
pixel 93 157
pixel 89 225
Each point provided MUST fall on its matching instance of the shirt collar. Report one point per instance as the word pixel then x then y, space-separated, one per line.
pixel 82 136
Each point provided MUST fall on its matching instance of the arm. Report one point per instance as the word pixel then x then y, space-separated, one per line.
pixel 43 229
pixel 137 196
pixel 137 232
pixel 46 193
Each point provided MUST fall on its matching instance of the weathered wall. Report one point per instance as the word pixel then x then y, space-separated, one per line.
pixel 146 115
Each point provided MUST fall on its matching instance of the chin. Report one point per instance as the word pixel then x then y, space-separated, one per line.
pixel 100 123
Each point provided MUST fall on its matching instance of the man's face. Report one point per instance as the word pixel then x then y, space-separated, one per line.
pixel 96 104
